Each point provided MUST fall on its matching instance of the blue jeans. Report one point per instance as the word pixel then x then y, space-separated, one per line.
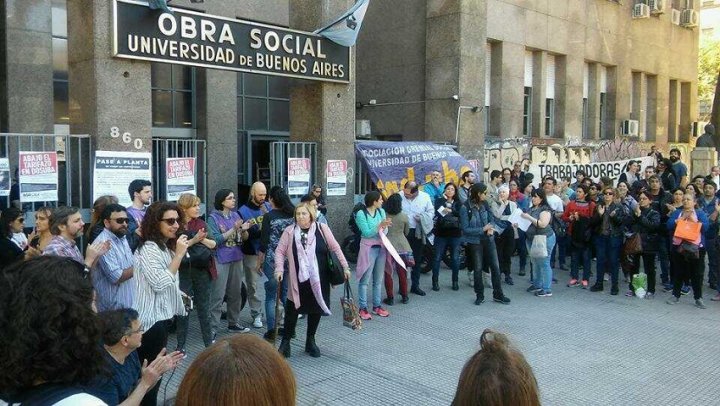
pixel 376 269
pixel 441 244
pixel 543 273
pixel 580 255
pixel 271 287
pixel 664 257
pixel 608 257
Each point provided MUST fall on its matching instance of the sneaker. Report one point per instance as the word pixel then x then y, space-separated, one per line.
pixel 573 282
pixel 532 289
pixel 584 284
pixel 673 300
pixel 598 287
pixel 614 290
pixel 629 293
pixel 685 290
pixel 667 287
pixel 509 280
pixel 417 291
pixel 716 298
pixel 700 304
pixel 606 277
pixel 479 301
pixel 543 293
pixel 269 335
pixel 502 300
pixel 405 299
pixel 238 328
pixel 380 311
pixel 301 316
pixel 522 272
pixel 365 315
pixel 649 295
pixel 389 301
pixel 257 321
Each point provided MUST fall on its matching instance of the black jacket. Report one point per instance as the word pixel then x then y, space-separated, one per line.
pixel 648 226
pixel 616 221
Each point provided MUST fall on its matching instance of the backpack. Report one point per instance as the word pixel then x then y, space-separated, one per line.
pixel 351 222
pixel 558 226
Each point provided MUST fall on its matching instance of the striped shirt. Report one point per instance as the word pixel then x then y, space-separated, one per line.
pixel 109 268
pixel 64 248
pixel 157 290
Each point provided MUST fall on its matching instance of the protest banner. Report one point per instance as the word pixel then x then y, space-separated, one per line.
pixel 38 176
pixel 180 177
pixel 4 177
pixel 593 170
pixel 336 175
pixel 298 176
pixel 114 170
pixel 391 164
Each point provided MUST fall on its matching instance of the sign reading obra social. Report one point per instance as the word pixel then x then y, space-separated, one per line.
pixel 594 170
pixel 198 39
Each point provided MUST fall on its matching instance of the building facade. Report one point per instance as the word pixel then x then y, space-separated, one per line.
pixel 557 70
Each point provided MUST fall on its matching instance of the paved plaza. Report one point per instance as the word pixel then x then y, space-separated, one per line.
pixel 585 348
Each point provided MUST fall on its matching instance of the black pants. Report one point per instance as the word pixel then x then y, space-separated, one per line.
pixel 291 318
pixel 417 247
pixel 485 251
pixel 649 265
pixel 683 269
pixel 153 340
pixel 505 244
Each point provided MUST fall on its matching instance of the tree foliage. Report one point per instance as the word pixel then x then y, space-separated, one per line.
pixel 708 70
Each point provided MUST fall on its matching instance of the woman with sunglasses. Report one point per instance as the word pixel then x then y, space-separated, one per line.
pixel 156 264
pixel 646 222
pixel 12 222
pixel 228 231
pixel 608 225
pixel 319 198
pixel 41 235
pixel 197 269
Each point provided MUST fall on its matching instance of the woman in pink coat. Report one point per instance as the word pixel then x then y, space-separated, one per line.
pixel 305 245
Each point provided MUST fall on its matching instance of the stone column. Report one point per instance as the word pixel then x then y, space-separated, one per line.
pixel 568 96
pixel 105 92
pixel 506 117
pixel 538 93
pixel 324 112
pixel 618 98
pixel 26 86
pixel 674 111
pixel 703 159
pixel 455 64
pixel 594 101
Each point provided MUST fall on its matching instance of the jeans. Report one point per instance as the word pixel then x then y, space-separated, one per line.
pixel 441 244
pixel 684 269
pixel 271 287
pixel 376 271
pixel 196 283
pixel 649 267
pixel 580 255
pixel 541 266
pixel 608 257
pixel 522 250
pixel 664 257
pixel 485 252
pixel 228 282
pixel 505 244
pixel 417 247
pixel 711 246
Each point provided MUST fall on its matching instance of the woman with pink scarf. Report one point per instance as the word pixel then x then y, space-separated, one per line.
pixel 305 245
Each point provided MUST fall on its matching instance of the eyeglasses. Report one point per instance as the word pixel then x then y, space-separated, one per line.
pixel 131 332
pixel 20 219
pixel 609 193
pixel 230 198
pixel 171 221
pixel 121 220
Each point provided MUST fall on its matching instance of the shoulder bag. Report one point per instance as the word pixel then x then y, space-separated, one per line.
pixel 351 313
pixel 336 276
pixel 538 249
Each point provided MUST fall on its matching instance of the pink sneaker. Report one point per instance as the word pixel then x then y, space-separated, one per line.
pixel 573 282
pixel 584 284
pixel 365 315
pixel 380 311
pixel 716 298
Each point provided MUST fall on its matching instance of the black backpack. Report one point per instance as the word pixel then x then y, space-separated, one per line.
pixel 351 222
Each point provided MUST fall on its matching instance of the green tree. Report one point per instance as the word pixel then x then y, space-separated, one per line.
pixel 708 78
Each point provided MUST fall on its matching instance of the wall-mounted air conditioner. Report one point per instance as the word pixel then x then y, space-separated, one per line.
pixel 641 10
pixel 630 128
pixel 689 18
pixel 675 16
pixel 362 129
pixel 656 6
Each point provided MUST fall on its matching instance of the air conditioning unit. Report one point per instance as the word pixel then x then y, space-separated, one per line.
pixel 656 6
pixel 362 129
pixel 689 18
pixel 675 16
pixel 688 4
pixel 641 11
pixel 630 128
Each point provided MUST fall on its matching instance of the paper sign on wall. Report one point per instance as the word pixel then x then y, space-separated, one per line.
pixel 4 177
pixel 298 176
pixel 114 170
pixel 336 175
pixel 38 176
pixel 180 177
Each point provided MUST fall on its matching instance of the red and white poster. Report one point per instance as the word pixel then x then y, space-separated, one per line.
pixel 180 177
pixel 336 175
pixel 298 176
pixel 38 176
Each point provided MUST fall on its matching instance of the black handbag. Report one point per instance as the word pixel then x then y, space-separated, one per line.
pixel 336 276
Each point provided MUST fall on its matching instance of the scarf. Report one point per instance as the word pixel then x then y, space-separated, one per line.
pixel 308 265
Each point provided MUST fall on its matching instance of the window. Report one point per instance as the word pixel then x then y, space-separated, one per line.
pixel 173 95
pixel 527 112
pixel 550 97
pixel 488 85
pixel 263 102
pixel 549 117
pixel 603 114
pixel 60 62
pixel 585 102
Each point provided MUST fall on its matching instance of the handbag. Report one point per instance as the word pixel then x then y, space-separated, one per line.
pixel 538 249
pixel 351 314
pixel 688 230
pixel 336 276
pixel 688 250
pixel 448 222
pixel 633 245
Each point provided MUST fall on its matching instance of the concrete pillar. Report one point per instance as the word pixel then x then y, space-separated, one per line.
pixel 506 116
pixel 105 92
pixel 325 112
pixel 639 97
pixel 673 111
pixel 26 84
pixel 455 64
pixel 594 101
pixel 686 108
pixel 568 96
pixel 538 95
pixel 703 159
pixel 618 99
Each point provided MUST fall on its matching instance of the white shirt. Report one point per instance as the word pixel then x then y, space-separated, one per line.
pixel 20 239
pixel 555 203
pixel 80 399
pixel 420 204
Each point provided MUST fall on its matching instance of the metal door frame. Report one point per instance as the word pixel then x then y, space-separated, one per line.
pixel 163 148
pixel 283 150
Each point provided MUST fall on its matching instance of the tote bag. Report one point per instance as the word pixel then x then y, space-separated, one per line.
pixel 538 249
pixel 688 231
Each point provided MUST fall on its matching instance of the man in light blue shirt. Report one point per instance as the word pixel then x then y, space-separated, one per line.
pixel 113 271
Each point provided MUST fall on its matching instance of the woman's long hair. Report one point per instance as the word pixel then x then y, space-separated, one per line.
pixel 150 227
pixel 97 211
pixel 281 201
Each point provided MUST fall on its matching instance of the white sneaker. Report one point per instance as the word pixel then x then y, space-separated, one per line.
pixel 257 322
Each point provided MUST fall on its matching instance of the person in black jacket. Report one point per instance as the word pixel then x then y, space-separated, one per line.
pixel 659 199
pixel 11 222
pixel 645 221
pixel 447 234
pixel 608 224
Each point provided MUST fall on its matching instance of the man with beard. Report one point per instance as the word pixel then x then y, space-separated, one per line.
pixel 466 181
pixel 66 224
pixel 659 200
pixel 680 169
pixel 140 191
pixel 114 270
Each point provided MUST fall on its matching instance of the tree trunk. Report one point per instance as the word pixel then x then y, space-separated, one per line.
pixel 715 114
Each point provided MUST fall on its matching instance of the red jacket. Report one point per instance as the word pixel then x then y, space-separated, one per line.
pixel 585 209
